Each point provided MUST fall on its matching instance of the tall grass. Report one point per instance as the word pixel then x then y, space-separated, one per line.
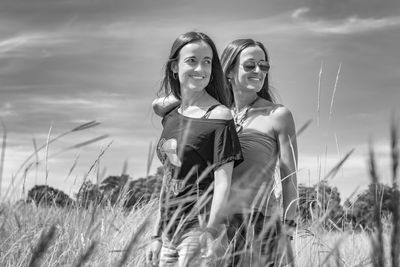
pixel 110 236
pixel 74 237
pixel 50 236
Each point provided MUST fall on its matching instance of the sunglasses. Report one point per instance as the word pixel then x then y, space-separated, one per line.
pixel 251 65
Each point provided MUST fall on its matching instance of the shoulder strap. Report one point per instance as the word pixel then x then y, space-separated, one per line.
pixel 207 114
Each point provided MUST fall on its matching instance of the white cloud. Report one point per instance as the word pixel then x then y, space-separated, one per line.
pixel 349 25
pixel 357 25
pixel 300 12
pixel 72 101
pixel 21 43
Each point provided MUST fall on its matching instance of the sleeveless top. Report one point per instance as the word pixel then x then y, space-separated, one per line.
pixel 253 180
pixel 190 149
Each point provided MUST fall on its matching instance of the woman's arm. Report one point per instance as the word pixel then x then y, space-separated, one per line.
pixel 288 161
pixel 163 105
pixel 222 185
pixel 154 247
pixel 222 177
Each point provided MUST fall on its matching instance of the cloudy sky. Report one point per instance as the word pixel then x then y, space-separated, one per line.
pixel 66 62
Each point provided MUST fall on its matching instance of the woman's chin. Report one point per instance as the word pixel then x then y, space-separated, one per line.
pixel 250 88
pixel 196 87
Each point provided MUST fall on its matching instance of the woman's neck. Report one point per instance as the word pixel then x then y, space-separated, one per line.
pixel 192 98
pixel 243 99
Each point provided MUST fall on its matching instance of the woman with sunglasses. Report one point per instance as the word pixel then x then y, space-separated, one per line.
pixel 267 135
pixel 198 148
pixel 266 132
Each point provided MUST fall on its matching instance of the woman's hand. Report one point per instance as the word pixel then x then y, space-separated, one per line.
pixel 207 245
pixel 153 252
pixel 163 105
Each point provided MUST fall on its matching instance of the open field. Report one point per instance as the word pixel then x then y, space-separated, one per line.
pixel 49 236
pixel 111 236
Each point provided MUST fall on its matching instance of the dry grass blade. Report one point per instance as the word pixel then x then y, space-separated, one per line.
pixel 79 128
pixel 47 153
pixel 36 157
pixel 3 153
pixel 73 166
pixel 338 148
pixel 96 161
pixel 82 144
pixel 377 242
pixel 85 256
pixel 303 127
pixel 334 91
pixel 85 126
pixel 150 158
pixel 319 94
pixel 395 245
pixel 132 242
pixel 41 247
pixel 92 219
pixel 124 168
pixel 17 220
pixel 294 154
pixel 337 167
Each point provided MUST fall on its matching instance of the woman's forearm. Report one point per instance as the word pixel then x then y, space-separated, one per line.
pixel 288 162
pixel 222 185
pixel 290 195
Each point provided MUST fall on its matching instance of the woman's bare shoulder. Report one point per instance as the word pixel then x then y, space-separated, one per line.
pixel 277 114
pixel 265 107
pixel 221 112
pixel 283 119
pixel 280 110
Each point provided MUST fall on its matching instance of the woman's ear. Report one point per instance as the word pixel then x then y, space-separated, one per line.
pixel 174 67
pixel 229 75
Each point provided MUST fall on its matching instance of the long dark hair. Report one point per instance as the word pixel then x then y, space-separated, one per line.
pixel 230 56
pixel 216 85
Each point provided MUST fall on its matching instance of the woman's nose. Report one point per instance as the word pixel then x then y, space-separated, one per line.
pixel 198 67
pixel 257 68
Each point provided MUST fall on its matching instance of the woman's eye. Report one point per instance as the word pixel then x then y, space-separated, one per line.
pixel 207 61
pixel 190 60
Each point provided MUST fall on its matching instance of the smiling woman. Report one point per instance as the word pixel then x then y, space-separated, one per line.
pixel 198 148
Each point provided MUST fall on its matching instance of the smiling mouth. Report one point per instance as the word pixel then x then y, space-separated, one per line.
pixel 255 79
pixel 198 77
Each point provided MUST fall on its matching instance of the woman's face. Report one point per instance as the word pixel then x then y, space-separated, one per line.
pixel 247 74
pixel 194 66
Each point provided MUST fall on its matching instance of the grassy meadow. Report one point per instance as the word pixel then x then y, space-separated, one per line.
pixel 108 236
pixel 101 235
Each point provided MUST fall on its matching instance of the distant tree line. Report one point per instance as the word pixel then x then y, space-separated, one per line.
pixel 320 203
pixel 323 203
pixel 113 190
